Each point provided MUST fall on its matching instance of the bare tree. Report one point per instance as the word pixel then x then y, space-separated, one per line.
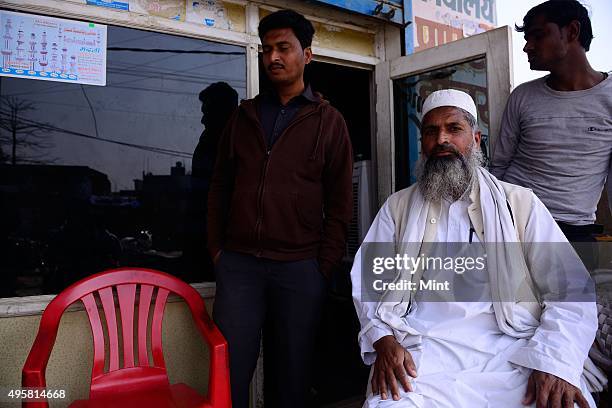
pixel 24 136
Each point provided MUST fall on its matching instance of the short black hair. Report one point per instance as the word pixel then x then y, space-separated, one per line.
pixel 302 28
pixel 221 92
pixel 562 12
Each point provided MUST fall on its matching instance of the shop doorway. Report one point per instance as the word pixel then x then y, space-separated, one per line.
pixel 348 90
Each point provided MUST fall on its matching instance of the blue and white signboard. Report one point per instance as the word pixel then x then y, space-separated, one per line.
pixel 117 5
pixel 52 49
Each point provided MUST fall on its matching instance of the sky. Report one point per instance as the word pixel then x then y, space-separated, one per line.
pixel 510 12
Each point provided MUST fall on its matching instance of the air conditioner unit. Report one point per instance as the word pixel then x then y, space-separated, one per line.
pixel 363 210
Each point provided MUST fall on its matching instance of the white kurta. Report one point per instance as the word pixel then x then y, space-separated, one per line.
pixel 462 357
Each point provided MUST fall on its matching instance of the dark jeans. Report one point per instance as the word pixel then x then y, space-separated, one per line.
pixel 580 233
pixel 582 238
pixel 283 299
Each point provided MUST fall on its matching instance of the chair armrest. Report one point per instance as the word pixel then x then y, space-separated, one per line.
pixel 219 392
pixel 33 372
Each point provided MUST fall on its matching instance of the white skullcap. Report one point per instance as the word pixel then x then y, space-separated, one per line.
pixel 450 97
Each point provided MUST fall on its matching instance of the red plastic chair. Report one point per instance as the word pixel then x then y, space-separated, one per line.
pixel 133 384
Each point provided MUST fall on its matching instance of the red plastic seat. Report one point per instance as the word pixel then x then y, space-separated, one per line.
pixel 135 383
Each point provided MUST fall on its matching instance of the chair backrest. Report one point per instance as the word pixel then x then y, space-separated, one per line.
pixel 121 290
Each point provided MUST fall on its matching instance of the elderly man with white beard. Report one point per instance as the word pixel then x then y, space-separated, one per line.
pixel 500 349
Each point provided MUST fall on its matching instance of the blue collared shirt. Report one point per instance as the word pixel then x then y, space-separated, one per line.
pixel 275 117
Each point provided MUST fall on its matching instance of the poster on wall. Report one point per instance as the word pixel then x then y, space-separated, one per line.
pixel 438 22
pixel 211 13
pixel 52 49
pixel 171 9
pixel 117 5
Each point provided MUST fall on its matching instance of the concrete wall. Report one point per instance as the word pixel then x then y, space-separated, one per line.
pixel 69 368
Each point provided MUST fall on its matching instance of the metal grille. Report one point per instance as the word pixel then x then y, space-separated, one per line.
pixel 352 241
pixel 601 352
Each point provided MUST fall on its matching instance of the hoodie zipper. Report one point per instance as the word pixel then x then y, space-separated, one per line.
pixel 262 182
pixel 260 195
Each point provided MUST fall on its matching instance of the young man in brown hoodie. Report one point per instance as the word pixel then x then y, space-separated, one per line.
pixel 278 211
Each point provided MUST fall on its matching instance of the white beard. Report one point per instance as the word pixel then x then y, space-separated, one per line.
pixel 447 177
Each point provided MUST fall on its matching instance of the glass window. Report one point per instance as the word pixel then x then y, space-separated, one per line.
pixel 410 92
pixel 96 177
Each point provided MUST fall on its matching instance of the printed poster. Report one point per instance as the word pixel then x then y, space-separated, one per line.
pixel 171 9
pixel 211 13
pixel 52 49
pixel 117 5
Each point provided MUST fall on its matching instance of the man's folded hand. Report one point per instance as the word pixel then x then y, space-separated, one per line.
pixel 550 391
pixel 393 363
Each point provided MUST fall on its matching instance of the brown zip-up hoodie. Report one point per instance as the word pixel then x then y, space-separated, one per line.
pixel 291 202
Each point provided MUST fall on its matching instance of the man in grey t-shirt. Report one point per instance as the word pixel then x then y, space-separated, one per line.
pixel 556 133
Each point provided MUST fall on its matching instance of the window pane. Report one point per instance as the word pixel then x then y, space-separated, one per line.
pixel 409 94
pixel 97 177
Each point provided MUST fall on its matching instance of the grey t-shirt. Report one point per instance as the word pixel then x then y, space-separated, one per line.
pixel 559 144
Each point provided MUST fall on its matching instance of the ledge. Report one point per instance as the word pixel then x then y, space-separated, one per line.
pixel 35 305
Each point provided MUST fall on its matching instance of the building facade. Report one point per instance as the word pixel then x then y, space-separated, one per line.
pixel 113 143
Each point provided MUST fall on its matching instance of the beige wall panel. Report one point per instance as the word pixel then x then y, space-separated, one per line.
pixel 343 39
pixel 237 16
